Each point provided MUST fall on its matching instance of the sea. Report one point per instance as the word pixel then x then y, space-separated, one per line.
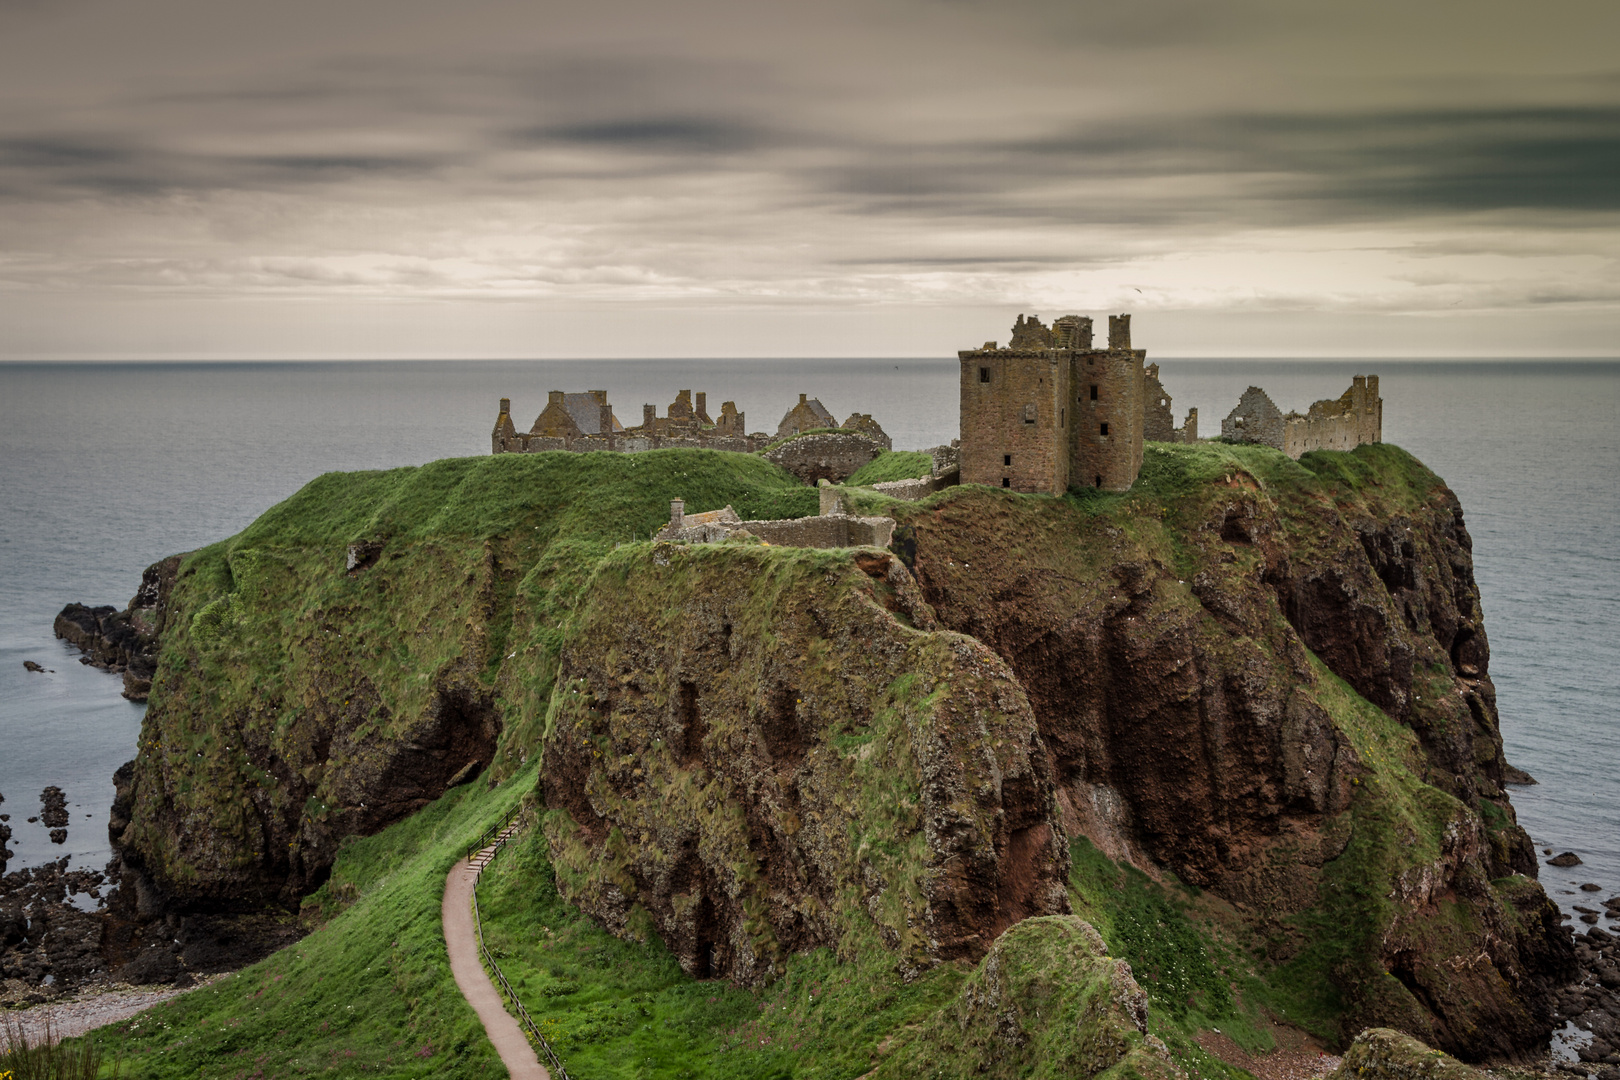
pixel 106 468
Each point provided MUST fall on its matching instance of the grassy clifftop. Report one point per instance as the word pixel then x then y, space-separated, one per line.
pixel 838 778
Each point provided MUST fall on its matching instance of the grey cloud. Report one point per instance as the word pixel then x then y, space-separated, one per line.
pixel 1269 168
pixel 664 135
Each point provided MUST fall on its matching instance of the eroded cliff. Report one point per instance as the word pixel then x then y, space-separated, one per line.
pixel 1265 678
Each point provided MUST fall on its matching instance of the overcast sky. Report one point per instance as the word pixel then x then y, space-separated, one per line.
pixel 491 178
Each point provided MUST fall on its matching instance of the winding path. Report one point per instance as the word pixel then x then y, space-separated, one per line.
pixel 461 939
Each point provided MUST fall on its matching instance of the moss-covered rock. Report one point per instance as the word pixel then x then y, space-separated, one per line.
pixel 774 749
pixel 1385 1054
pixel 1047 1001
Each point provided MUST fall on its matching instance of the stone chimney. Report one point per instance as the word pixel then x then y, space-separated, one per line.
pixel 649 413
pixel 702 401
pixel 600 396
pixel 677 513
pixel 1119 331
pixel 555 399
pixel 506 407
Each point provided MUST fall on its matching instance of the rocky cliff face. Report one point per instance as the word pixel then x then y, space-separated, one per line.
pixel 770 750
pixel 1182 651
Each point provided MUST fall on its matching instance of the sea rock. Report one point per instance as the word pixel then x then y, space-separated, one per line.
pixel 125 642
pixel 1568 858
pixel 54 807
pixel 37 668
pixel 1512 774
pixel 1590 887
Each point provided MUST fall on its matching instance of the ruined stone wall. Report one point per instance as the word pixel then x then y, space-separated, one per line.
pixel 916 489
pixel 1256 419
pixel 1189 430
pixel 825 532
pixel 501 439
pixel 1355 417
pixel 829 456
pixel 1108 389
pixel 865 425
pixel 1158 415
pixel 1015 419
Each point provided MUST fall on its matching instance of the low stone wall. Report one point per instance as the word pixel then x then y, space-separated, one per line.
pixel 917 488
pixel 828 531
pixel 825 532
pixel 827 456
pixel 628 444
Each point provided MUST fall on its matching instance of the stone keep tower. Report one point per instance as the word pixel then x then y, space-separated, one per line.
pixel 1050 412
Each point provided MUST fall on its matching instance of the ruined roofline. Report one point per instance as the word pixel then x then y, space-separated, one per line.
pixel 1047 353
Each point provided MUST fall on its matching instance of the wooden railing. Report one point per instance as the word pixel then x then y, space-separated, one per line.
pixel 495 838
pixel 489 835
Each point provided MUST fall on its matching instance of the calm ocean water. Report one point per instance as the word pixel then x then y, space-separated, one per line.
pixel 105 468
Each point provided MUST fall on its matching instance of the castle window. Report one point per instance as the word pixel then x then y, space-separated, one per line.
pixel 1063 418
pixel 1006 482
pixel 1099 482
pixel 1105 427
pixel 1006 459
pixel 1029 414
pixel 1094 393
pixel 984 374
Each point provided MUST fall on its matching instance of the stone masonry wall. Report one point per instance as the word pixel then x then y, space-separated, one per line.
pixel 1015 416
pixel 1158 415
pixel 1256 419
pixel 1107 433
pixel 828 456
pixel 1355 417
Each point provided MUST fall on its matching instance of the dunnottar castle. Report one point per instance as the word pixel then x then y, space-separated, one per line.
pixel 1047 412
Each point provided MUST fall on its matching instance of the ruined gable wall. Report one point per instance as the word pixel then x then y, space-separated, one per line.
pixel 1107 436
pixel 555 421
pixel 1015 419
pixel 1256 419
pixel 504 437
pixel 1158 416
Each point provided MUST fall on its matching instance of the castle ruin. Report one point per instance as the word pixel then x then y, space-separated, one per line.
pixel 1343 423
pixel 585 422
pixel 1050 411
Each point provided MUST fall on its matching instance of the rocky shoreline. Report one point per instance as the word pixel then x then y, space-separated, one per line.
pixel 1592 1004
pixel 124 642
